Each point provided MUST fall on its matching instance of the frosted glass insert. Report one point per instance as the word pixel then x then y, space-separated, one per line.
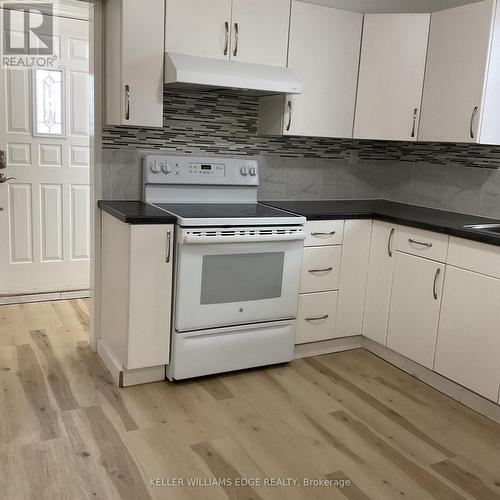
pixel 48 102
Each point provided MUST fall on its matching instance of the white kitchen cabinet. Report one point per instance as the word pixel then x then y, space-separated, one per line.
pixel 414 310
pixel 323 54
pixel 461 98
pixel 134 54
pixel 136 294
pixel 468 342
pixel 251 31
pixel 320 269
pixel 198 27
pixel 316 317
pixel 379 283
pixel 353 275
pixel 260 31
pixel 391 76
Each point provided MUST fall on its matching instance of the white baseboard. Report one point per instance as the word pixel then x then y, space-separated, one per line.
pixel 43 297
pixel 114 368
pixel 455 391
pixel 327 346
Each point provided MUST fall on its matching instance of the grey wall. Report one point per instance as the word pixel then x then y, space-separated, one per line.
pixel 456 177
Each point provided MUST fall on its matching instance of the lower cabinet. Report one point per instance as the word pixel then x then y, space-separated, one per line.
pixel 468 342
pixel 316 317
pixel 378 287
pixel 414 311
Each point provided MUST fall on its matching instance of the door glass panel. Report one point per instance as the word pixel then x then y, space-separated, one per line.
pixel 48 97
pixel 241 277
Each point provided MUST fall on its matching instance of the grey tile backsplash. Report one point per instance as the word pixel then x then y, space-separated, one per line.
pixel 458 177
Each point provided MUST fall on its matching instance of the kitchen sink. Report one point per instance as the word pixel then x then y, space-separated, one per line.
pixel 484 228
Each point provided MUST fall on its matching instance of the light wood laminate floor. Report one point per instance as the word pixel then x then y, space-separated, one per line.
pixel 66 432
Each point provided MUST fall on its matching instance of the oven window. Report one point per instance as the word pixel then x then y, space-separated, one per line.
pixel 241 277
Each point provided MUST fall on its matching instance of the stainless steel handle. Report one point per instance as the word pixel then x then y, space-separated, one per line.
pixel 226 47
pixel 127 102
pixel 236 39
pixel 169 246
pixel 473 116
pixel 289 124
pixel 423 243
pixel 389 241
pixel 434 291
pixel 326 269
pixel 3 159
pixel 4 179
pixel 415 112
pixel 331 233
pixel 317 318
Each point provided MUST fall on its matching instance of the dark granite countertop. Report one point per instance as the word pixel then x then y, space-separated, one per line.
pixel 441 221
pixel 136 212
pixel 431 219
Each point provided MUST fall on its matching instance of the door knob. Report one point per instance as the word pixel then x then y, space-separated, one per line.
pixel 4 179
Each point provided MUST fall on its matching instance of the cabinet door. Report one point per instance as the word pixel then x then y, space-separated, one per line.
pixel 468 343
pixel 198 27
pixel 324 55
pixel 391 76
pixel 150 295
pixel 316 317
pixel 260 31
pixel 414 309
pixel 353 274
pixel 378 287
pixel 142 63
pixel 459 44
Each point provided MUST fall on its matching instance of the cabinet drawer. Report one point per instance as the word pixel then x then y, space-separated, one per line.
pixel 320 269
pixel 316 317
pixel 474 256
pixel 422 243
pixel 323 232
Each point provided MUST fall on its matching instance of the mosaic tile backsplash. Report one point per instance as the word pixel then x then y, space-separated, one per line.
pixel 459 177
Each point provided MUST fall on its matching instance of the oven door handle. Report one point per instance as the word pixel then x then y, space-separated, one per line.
pixel 260 238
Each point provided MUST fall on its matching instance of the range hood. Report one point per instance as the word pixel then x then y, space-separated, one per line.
pixel 204 73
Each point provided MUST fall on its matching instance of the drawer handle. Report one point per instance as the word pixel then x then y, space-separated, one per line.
pixel 423 243
pixel 169 246
pixel 318 318
pixel 434 291
pixel 331 233
pixel 389 248
pixel 326 269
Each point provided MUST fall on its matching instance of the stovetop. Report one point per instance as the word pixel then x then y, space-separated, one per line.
pixel 222 214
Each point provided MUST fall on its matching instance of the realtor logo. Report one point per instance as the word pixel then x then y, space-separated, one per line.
pixel 27 29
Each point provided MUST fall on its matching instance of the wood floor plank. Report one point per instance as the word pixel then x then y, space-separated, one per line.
pixel 216 388
pixel 430 483
pixel 379 406
pixel 352 492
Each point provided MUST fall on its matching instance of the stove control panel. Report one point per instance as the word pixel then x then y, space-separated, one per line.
pixel 195 170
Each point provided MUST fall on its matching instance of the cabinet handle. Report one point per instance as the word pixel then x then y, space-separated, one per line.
pixel 317 318
pixel 127 102
pixel 326 269
pixel 3 159
pixel 331 233
pixel 169 241
pixel 289 124
pixel 434 291
pixel 473 116
pixel 226 47
pixel 415 112
pixel 423 243
pixel 236 39
pixel 389 241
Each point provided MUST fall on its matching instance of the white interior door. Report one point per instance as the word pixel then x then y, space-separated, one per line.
pixel 45 209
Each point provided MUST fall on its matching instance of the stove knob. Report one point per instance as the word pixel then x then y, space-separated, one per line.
pixel 244 171
pixel 166 168
pixel 253 171
pixel 154 166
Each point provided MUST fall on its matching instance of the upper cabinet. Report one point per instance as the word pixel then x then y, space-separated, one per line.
pixel 391 76
pixel 134 62
pixel 252 31
pixel 461 98
pixel 323 54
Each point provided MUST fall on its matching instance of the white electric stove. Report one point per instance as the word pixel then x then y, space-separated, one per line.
pixel 237 272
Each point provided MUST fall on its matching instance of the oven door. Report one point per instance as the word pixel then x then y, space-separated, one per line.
pixel 237 276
